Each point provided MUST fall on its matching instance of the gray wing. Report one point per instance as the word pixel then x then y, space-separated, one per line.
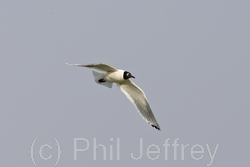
pixel 138 98
pixel 101 66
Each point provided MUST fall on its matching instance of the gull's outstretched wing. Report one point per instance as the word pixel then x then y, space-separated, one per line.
pixel 138 98
pixel 100 66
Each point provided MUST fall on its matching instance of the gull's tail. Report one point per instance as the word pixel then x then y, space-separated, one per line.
pixel 99 79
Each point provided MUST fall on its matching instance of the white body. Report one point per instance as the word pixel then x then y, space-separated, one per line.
pixel 114 77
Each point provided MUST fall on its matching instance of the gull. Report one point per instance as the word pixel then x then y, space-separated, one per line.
pixel 131 90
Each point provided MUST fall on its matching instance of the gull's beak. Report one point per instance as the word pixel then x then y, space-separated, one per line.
pixel 132 76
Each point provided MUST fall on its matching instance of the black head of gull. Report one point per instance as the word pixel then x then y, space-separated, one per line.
pixel 127 75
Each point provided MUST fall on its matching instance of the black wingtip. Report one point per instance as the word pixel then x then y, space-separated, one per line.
pixel 156 127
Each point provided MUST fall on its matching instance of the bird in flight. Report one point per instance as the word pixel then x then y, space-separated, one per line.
pixel 131 90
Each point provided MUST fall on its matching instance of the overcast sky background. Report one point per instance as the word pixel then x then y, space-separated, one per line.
pixel 190 57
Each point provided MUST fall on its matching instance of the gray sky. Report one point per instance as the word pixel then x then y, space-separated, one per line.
pixel 191 58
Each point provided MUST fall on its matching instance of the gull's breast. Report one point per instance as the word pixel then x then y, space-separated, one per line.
pixel 116 76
